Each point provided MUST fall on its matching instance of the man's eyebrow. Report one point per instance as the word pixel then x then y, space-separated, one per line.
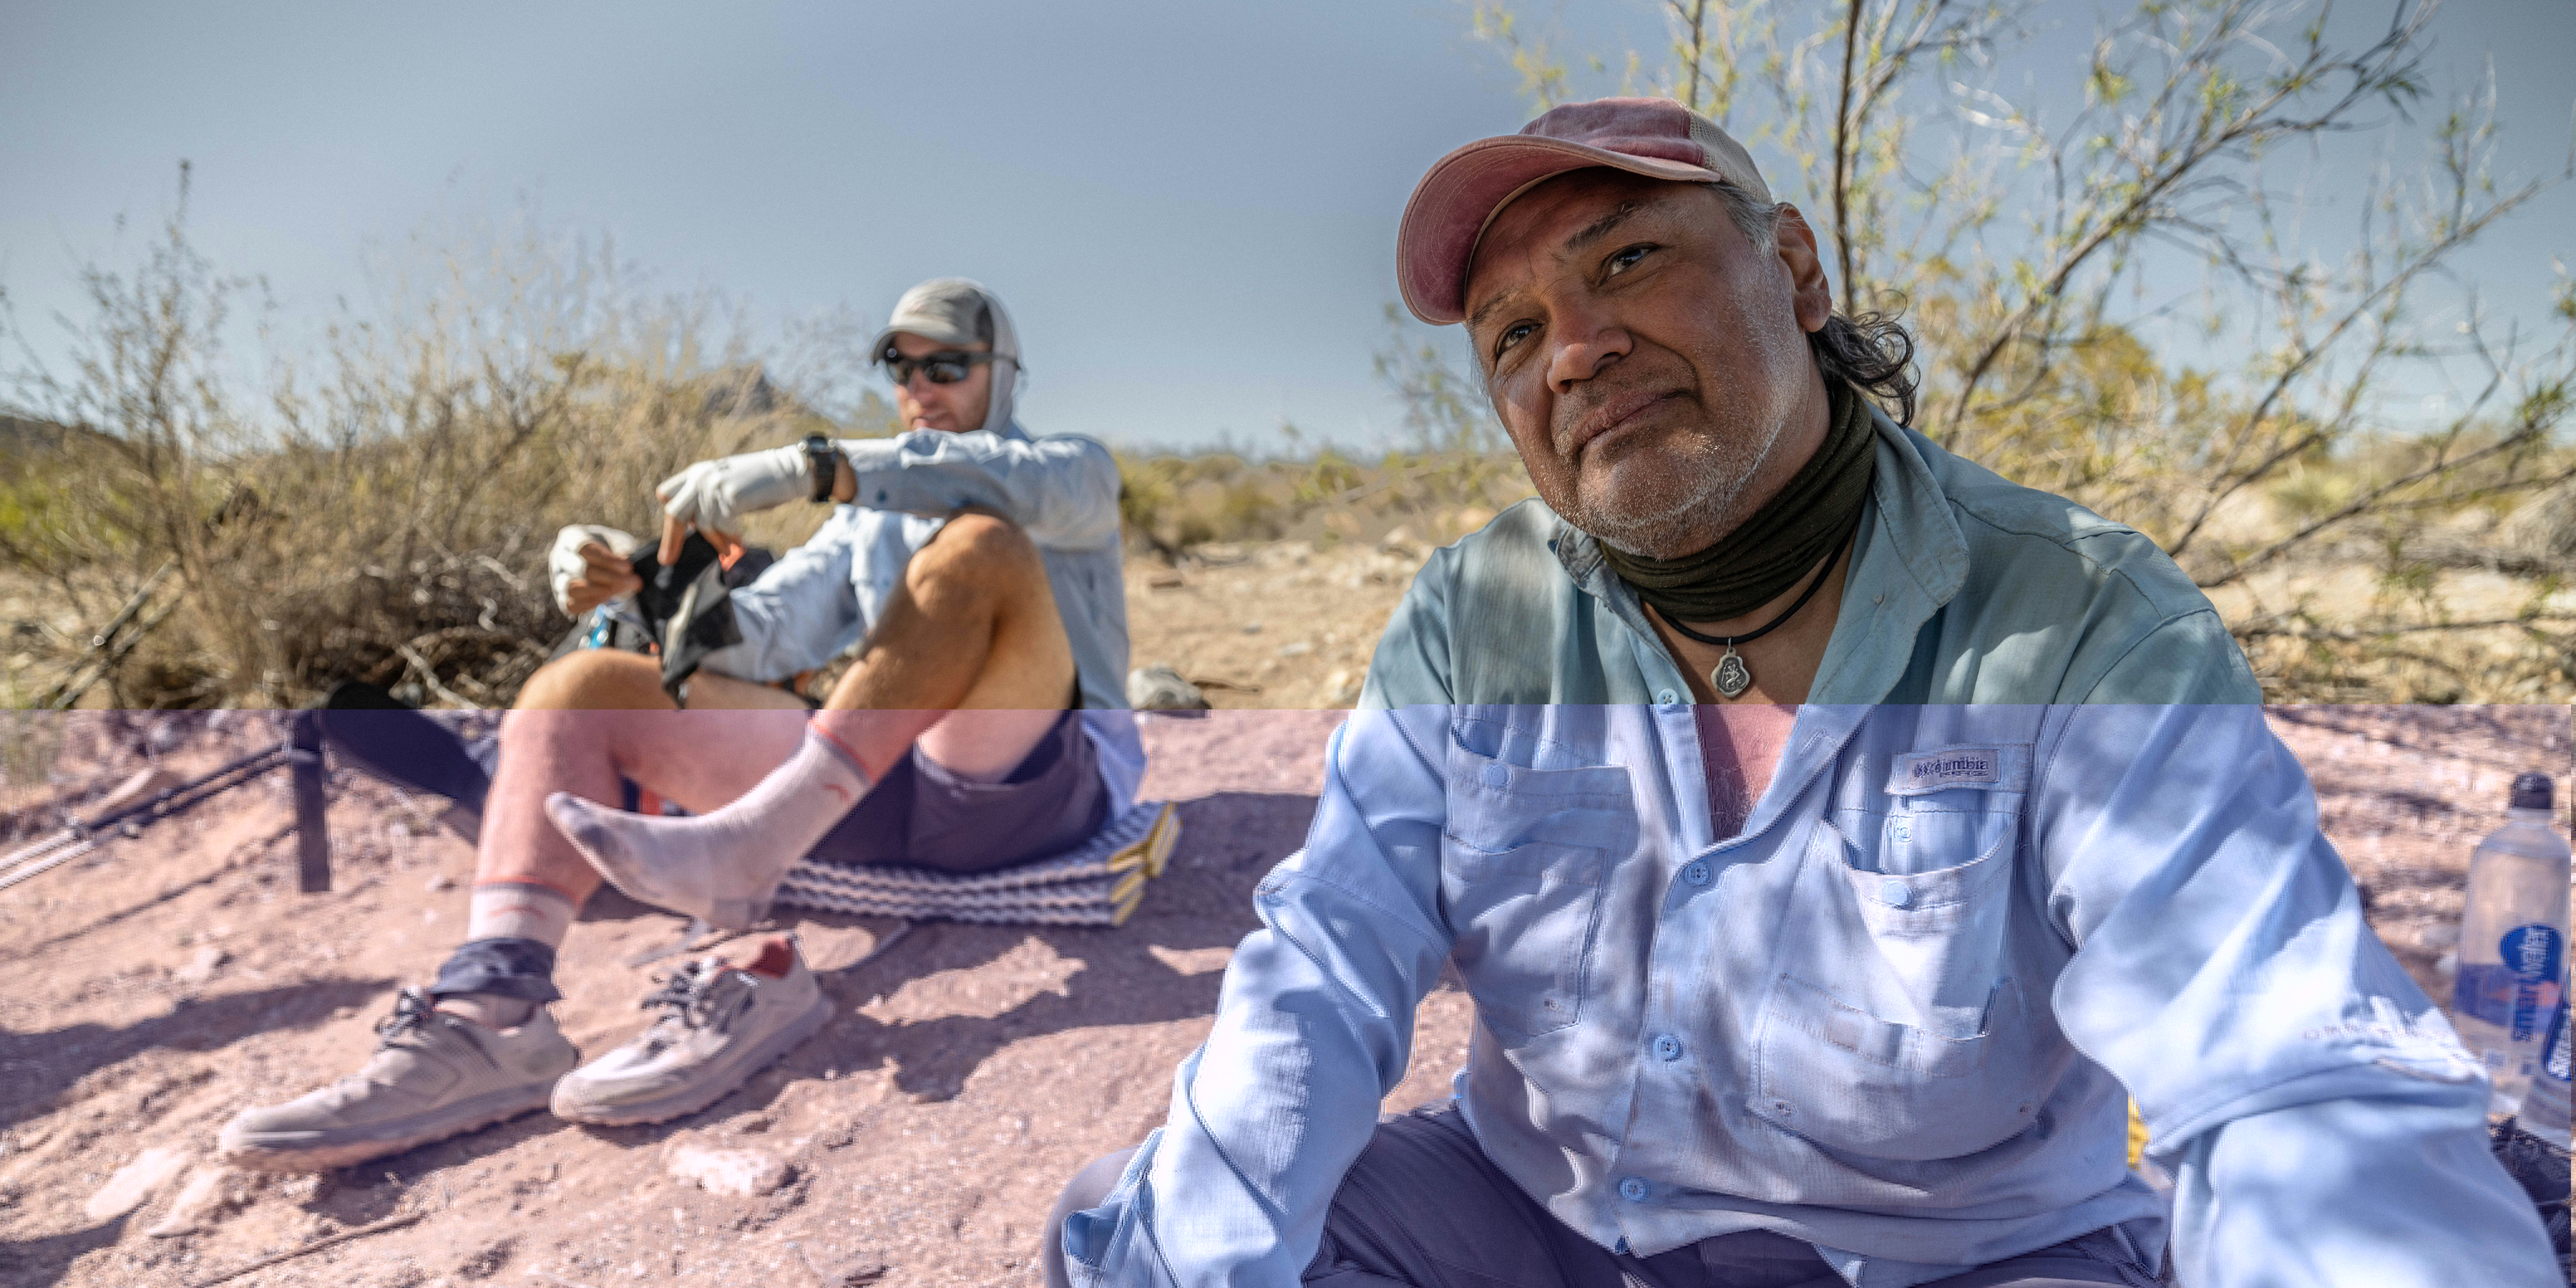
pixel 1602 227
pixel 1487 309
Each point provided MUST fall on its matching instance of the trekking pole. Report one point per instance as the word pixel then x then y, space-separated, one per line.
pixel 83 835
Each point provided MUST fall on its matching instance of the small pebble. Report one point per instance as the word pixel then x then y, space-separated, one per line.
pixel 203 966
pixel 742 1173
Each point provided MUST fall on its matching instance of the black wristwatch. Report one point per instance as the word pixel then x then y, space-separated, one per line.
pixel 823 460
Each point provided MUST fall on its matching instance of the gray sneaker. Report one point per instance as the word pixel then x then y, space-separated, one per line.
pixel 433 1076
pixel 720 1024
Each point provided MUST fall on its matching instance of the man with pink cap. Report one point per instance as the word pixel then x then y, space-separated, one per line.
pixel 1834 839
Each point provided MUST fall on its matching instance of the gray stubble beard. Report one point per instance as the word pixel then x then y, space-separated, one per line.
pixel 1690 508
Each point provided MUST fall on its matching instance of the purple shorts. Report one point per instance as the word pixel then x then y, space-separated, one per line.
pixel 923 816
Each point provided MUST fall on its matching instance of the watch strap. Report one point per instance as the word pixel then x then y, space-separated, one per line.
pixel 822 461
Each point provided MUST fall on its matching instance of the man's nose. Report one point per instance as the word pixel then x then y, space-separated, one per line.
pixel 1587 342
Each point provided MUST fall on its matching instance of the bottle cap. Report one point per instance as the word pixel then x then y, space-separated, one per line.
pixel 2531 791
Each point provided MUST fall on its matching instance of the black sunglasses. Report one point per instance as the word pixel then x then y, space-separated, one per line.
pixel 946 367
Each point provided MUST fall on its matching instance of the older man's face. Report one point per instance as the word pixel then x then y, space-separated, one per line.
pixel 1649 362
pixel 955 408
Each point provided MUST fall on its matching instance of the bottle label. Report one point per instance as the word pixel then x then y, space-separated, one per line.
pixel 2531 955
pixel 2518 993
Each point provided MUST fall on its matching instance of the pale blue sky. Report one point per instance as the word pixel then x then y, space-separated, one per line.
pixel 1190 208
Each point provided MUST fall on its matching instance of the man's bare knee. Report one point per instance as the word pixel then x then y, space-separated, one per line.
pixel 975 551
pixel 594 679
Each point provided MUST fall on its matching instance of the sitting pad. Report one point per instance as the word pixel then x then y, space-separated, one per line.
pixel 1095 884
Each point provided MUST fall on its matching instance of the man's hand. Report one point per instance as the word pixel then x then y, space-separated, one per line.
pixel 713 496
pixel 587 569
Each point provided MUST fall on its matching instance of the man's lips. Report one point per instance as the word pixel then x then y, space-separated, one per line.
pixel 1620 412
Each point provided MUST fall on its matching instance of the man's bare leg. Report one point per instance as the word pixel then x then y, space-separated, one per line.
pixel 486 1050
pixel 583 723
pixel 970 659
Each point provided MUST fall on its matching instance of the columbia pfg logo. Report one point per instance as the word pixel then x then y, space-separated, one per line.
pixel 1953 767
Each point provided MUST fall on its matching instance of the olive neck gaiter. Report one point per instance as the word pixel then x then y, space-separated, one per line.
pixel 1781 542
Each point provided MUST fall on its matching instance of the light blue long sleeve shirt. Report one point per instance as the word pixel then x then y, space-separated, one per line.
pixel 1897 1016
pixel 1897 1021
pixel 821 598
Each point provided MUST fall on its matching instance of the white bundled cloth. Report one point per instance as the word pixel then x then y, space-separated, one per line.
pixel 564 564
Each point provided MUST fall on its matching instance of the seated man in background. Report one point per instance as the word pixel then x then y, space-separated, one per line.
pixel 1784 976
pixel 981 569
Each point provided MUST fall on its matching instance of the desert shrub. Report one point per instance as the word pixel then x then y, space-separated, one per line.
pixel 382 510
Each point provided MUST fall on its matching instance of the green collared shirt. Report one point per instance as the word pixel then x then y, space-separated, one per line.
pixel 1963 588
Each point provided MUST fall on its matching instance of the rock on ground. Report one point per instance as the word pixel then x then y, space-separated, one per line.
pixel 134 1183
pixel 741 1173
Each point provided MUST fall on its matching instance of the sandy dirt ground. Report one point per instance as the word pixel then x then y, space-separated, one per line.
pixel 176 977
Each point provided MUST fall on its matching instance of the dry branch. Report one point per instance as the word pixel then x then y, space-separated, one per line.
pixel 327 1241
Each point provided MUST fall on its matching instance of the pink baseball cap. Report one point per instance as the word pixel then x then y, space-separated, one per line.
pixel 1464 190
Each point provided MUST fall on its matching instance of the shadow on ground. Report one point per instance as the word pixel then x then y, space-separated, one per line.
pixel 36 1067
pixel 30 1263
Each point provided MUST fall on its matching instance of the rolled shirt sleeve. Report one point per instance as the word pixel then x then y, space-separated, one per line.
pixel 2313 1102
pixel 1314 1027
pixel 1062 490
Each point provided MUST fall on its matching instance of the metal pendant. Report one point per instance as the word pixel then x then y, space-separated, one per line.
pixel 1730 677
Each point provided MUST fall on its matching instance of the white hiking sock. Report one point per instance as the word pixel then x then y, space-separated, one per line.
pixel 722 866
pixel 518 910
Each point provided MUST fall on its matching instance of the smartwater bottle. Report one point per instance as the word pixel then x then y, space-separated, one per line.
pixel 2513 943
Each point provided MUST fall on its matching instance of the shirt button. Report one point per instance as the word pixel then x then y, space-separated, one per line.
pixel 1895 893
pixel 1496 775
pixel 1667 697
pixel 1695 872
pixel 1633 1190
pixel 1667 1047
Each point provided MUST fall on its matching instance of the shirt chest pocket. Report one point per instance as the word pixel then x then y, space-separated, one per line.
pixel 1523 860
pixel 1895 1027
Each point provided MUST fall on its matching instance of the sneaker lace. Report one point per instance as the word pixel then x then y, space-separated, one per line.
pixel 687 1000
pixel 411 1011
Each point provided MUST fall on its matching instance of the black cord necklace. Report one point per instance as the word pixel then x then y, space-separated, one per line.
pixel 1731 677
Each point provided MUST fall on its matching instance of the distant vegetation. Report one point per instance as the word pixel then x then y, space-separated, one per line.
pixel 396 489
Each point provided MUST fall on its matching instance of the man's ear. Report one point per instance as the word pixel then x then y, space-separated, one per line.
pixel 1812 294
